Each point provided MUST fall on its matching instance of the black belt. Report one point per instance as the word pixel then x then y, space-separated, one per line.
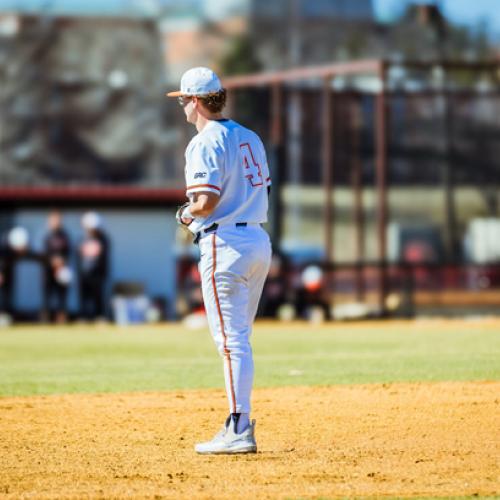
pixel 212 228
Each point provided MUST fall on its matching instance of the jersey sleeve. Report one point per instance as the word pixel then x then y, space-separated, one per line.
pixel 204 165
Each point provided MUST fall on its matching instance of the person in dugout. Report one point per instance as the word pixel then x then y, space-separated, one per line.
pixel 57 275
pixel 93 267
pixel 6 281
pixel 15 248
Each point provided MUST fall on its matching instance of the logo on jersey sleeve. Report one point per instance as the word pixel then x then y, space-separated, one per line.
pixel 253 171
pixel 200 175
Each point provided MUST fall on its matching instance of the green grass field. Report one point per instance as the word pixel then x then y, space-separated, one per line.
pixel 104 358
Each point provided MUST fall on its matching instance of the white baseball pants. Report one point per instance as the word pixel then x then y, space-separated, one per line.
pixel 233 266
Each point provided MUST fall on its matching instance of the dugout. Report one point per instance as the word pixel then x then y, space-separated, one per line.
pixel 140 224
pixel 388 169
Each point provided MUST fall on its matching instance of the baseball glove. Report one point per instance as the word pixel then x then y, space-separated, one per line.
pixel 183 213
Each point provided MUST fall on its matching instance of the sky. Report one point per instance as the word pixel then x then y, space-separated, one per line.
pixel 469 12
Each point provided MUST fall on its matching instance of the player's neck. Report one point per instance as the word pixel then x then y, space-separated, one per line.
pixel 203 120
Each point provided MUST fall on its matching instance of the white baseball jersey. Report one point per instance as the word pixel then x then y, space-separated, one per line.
pixel 228 159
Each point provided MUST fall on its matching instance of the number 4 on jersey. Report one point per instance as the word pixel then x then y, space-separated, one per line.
pixel 253 171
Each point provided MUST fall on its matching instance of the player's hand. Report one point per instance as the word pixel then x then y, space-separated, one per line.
pixel 185 221
pixel 183 216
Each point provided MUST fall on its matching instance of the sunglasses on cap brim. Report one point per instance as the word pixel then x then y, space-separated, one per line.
pixel 183 100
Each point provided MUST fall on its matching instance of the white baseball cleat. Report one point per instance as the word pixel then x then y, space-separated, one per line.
pixel 228 442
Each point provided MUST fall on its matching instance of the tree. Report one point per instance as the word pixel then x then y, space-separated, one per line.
pixel 240 58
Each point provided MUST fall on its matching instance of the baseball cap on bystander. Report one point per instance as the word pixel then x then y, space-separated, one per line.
pixel 198 81
pixel 91 220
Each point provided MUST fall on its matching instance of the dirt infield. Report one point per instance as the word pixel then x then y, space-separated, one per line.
pixel 438 439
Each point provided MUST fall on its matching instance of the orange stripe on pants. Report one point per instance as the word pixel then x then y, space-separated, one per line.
pixel 227 352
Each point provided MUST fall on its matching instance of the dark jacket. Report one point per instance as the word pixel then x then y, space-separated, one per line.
pixel 93 256
pixel 57 244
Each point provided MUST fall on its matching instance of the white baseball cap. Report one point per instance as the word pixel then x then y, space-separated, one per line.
pixel 198 82
pixel 18 238
pixel 91 220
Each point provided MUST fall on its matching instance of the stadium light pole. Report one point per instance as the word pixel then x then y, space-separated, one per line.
pixel 328 166
pixel 277 163
pixel 381 182
pixel 355 122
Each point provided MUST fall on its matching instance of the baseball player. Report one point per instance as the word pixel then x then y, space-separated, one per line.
pixel 227 179
pixel 57 248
